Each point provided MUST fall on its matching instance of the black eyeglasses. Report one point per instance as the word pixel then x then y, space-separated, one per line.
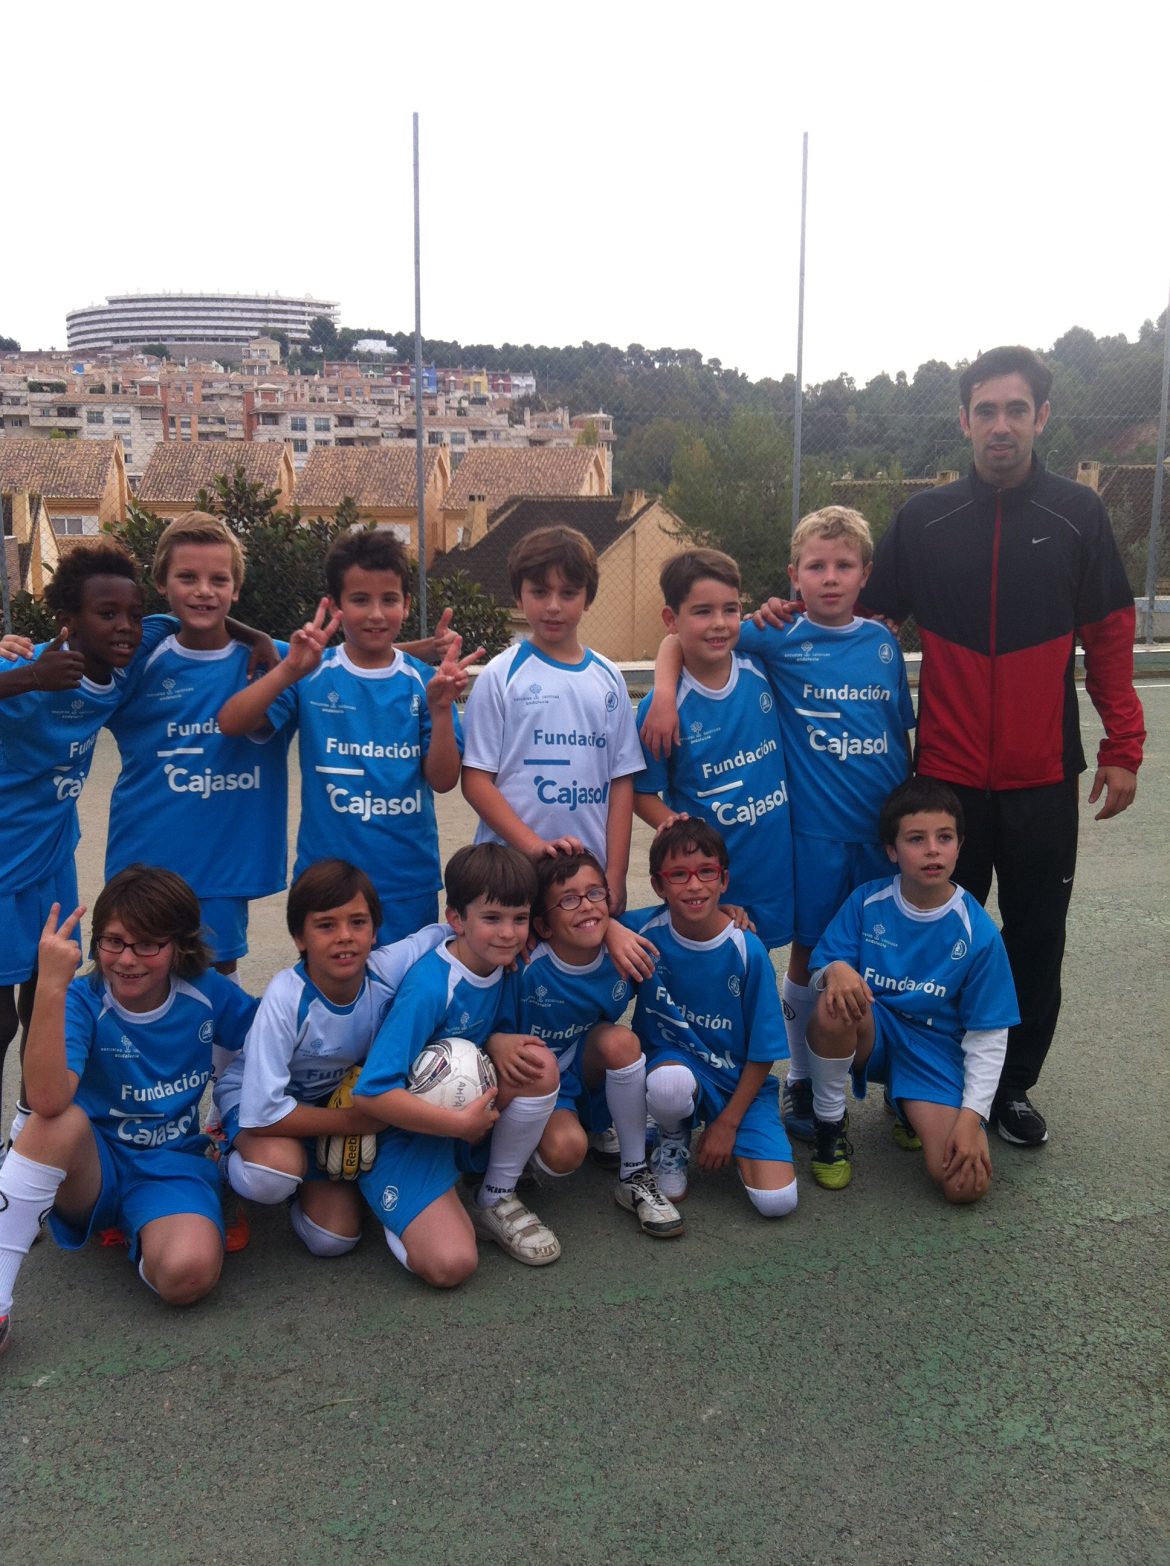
pixel 571 900
pixel 114 944
pixel 701 873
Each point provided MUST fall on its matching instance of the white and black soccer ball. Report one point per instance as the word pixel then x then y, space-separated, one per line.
pixel 451 1072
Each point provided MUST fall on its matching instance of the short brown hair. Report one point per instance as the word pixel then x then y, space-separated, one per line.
pixel 328 884
pixel 555 871
pixel 915 797
pixel 196 527
pixel 554 548
pixel 833 522
pixel 155 904
pixel 690 835
pixel 1015 360
pixel 371 548
pixel 682 571
pixel 492 871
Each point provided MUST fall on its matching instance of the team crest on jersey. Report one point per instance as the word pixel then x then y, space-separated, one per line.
pixel 464 1019
pixel 806 647
pixel 389 1199
pixel 206 1032
pixel 611 701
pixel 733 984
pixel 958 951
pixel 334 698
pixel 620 989
pixel 765 702
pixel 696 728
pixel 168 684
pixel 534 690
pixel 541 991
pixel 879 930
pixel 885 652
pixel 414 705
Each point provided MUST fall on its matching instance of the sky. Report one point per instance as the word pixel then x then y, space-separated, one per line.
pixel 608 172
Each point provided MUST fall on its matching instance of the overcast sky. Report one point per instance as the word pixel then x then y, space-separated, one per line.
pixel 611 172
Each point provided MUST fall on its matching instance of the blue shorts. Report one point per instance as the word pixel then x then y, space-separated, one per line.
pixel 877 1066
pixel 139 1185
pixel 826 872
pixel 313 1170
pixel 225 926
pixel 761 1132
pixel 22 919
pixel 923 1066
pixel 403 916
pixel 411 1170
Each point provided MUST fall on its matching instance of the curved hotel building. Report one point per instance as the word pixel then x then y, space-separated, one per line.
pixel 195 321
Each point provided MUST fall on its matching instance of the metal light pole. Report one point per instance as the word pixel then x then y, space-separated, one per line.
pixel 1159 475
pixel 799 340
pixel 419 455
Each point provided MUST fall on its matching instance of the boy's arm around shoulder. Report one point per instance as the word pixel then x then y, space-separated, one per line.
pixel 50 1086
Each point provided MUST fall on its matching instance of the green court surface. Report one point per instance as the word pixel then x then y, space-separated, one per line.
pixel 878 1379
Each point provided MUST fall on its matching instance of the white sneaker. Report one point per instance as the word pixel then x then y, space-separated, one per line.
pixel 605 1149
pixel 656 1216
pixel 517 1231
pixel 668 1163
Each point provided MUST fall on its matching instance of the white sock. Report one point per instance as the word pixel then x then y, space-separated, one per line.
pixel 670 1095
pixel 145 1279
pixel 27 1192
pixel 397 1249
pixel 799 1004
pixel 625 1093
pixel 258 1183
pixel 19 1121
pixel 829 1077
pixel 773 1204
pixel 315 1238
pixel 551 1174
pixel 514 1140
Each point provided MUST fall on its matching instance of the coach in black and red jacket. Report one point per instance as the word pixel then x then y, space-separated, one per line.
pixel 1004 571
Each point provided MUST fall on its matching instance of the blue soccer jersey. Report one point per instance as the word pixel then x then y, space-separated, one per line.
pixel 943 972
pixel 559 1002
pixel 554 736
pixel 439 998
pixel 46 749
pixel 711 1003
pixel 729 769
pixel 302 1044
pixel 363 739
pixel 210 807
pixel 142 1073
pixel 845 710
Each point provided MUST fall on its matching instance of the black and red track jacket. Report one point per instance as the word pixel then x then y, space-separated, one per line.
pixel 1002 584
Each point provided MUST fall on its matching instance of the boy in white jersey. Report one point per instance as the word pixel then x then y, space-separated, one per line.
pixel 569 997
pixel 377 730
pixel 728 767
pixel 211 808
pixel 551 746
pixel 914 990
pixel 315 1024
pixel 456 991
pixel 844 709
pixel 709 1019
pixel 115 1067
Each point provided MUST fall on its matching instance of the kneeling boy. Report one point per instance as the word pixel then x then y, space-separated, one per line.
pixel 915 990
pixel 569 996
pixel 711 1022
pixel 315 1024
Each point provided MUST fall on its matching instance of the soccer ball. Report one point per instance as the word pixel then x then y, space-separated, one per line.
pixel 452 1073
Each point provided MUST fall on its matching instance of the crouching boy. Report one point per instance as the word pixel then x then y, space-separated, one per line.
pixel 914 989
pixel 455 991
pixel 711 1023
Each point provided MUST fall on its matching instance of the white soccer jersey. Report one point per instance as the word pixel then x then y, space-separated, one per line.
pixel 555 736
pixel 302 1044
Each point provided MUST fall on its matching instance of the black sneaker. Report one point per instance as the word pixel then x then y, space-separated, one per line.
pixel 1019 1121
pixel 832 1162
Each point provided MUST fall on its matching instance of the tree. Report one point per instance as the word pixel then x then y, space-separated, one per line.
pixel 157 350
pixel 322 335
pixel 9 345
